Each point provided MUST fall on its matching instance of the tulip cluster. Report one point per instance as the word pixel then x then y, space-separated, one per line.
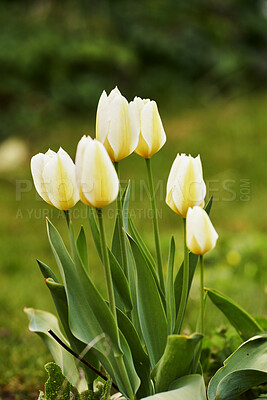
pixel 121 129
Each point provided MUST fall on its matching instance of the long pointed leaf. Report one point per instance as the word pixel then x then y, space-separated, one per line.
pixel 170 297
pixel 147 255
pixel 83 305
pixel 82 247
pixel 120 282
pixel 245 325
pixel 97 303
pixel 60 299
pixel 150 309
pixel 40 322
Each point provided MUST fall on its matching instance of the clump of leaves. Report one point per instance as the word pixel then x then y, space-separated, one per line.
pixel 58 387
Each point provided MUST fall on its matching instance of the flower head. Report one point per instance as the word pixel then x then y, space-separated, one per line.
pixel 201 236
pixel 54 178
pixel 185 187
pixel 151 132
pixel 97 179
pixel 115 125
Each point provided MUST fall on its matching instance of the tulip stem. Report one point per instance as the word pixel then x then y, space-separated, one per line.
pixel 201 259
pixel 199 348
pixel 155 223
pixel 106 263
pixel 120 222
pixel 183 301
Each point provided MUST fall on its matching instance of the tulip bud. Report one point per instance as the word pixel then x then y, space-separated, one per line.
pixel 185 187
pixel 97 179
pixel 151 132
pixel 115 125
pixel 201 236
pixel 54 178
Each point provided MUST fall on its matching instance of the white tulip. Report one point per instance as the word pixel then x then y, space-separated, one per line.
pixel 54 178
pixel 201 236
pixel 185 187
pixel 151 132
pixel 97 179
pixel 115 125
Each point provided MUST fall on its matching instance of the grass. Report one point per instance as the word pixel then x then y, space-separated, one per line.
pixel 232 140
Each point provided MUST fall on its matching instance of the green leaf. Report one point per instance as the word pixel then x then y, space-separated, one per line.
pixel 147 255
pixel 40 322
pixel 116 246
pixel 170 297
pixel 244 369
pixel 121 286
pixel 85 302
pixel 245 325
pixel 46 271
pixel 140 357
pixel 132 278
pixel 150 309
pixel 60 299
pixel 90 316
pixel 209 205
pixel 82 247
pixel 57 386
pixel 179 347
pixel 190 387
pixel 88 285
pixel 178 283
pixel 125 206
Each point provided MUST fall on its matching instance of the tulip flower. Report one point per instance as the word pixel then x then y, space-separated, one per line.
pixel 201 236
pixel 115 125
pixel 97 179
pixel 54 178
pixel 151 132
pixel 185 187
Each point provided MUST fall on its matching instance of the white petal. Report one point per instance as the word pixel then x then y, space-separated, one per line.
pixel 102 117
pixel 79 157
pixel 60 180
pixel 123 133
pixel 99 179
pixel 151 127
pixel 37 166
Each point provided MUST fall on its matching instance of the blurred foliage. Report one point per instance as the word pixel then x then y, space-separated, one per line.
pixel 57 57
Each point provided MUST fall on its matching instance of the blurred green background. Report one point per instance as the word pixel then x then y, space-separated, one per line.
pixel 205 63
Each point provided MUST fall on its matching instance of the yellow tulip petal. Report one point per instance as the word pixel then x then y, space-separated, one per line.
pixel 99 181
pixel 60 181
pixel 37 165
pixel 201 236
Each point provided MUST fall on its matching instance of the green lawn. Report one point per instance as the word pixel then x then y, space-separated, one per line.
pixel 232 140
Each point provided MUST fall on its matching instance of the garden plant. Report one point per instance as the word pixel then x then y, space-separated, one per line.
pixel 132 344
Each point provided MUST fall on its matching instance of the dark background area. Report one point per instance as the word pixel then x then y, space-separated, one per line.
pixel 57 56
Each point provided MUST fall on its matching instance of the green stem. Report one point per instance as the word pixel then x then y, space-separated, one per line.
pixel 183 301
pixel 106 263
pixel 67 216
pixel 119 359
pixel 201 295
pixel 120 222
pixel 199 348
pixel 155 223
